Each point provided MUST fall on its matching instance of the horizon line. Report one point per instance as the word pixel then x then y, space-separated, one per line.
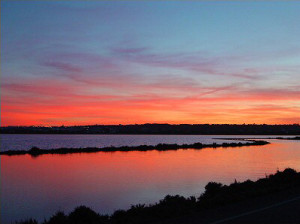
pixel 259 124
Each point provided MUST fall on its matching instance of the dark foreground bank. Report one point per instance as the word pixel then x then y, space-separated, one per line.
pixel 160 147
pixel 175 208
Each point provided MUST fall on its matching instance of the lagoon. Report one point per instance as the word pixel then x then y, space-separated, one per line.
pixel 38 187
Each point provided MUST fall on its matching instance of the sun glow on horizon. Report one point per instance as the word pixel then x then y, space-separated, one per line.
pixel 149 62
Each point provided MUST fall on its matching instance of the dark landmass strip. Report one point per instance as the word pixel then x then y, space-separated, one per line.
pixel 280 138
pixel 215 200
pixel 34 151
pixel 182 129
pixel 286 138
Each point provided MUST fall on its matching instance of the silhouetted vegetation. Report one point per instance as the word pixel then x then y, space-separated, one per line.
pixel 183 129
pixel 215 195
pixel 34 151
pixel 29 221
pixel 254 138
pixel 286 138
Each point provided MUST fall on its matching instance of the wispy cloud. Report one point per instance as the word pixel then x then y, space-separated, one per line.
pixel 103 62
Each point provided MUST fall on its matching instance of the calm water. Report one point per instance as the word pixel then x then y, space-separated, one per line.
pixel 25 142
pixel 38 187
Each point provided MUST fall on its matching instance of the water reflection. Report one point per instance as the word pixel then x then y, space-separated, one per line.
pixel 38 187
pixel 26 142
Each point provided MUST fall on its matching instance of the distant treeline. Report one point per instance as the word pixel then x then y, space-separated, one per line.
pixel 202 129
pixel 215 195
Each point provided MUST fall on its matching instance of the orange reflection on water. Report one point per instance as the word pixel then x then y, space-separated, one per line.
pixel 109 181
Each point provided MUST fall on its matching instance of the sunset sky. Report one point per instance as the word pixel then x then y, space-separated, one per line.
pixel 101 62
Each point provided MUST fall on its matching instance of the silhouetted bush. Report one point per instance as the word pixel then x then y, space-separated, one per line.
pixel 212 188
pixel 85 215
pixel 58 218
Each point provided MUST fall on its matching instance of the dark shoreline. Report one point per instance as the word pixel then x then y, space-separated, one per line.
pixel 216 198
pixel 283 138
pixel 160 129
pixel 34 151
pixel 278 138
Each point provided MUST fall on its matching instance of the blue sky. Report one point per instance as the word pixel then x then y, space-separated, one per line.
pixel 146 58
